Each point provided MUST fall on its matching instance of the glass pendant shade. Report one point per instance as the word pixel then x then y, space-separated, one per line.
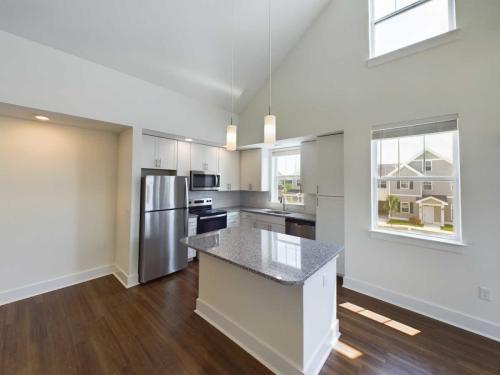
pixel 270 130
pixel 231 138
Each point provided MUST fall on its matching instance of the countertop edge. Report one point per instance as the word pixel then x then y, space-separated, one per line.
pixel 269 277
pixel 262 211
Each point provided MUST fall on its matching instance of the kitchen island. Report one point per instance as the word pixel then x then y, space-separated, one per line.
pixel 271 293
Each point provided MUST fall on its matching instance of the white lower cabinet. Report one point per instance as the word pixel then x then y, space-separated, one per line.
pixel 233 219
pixel 192 226
pixel 266 222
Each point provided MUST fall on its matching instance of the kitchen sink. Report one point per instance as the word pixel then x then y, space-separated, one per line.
pixel 278 212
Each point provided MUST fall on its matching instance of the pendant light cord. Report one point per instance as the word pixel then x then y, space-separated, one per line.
pixel 270 60
pixel 232 61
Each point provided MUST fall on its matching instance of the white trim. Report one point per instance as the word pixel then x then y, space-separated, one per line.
pixel 128 281
pixel 426 182
pixel 407 183
pixel 424 241
pixel 425 165
pixel 260 350
pixel 438 40
pixel 30 290
pixel 405 165
pixel 458 319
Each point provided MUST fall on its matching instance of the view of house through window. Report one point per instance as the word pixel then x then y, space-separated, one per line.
pixel 399 23
pixel 286 177
pixel 409 196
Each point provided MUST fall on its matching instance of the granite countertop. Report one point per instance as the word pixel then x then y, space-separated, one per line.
pixel 285 259
pixel 264 211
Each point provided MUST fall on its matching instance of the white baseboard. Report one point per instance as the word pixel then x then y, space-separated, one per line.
pixel 128 281
pixel 262 351
pixel 455 318
pixel 45 286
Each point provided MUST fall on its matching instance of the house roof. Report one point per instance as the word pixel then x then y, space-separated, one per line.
pixel 417 173
pixel 440 198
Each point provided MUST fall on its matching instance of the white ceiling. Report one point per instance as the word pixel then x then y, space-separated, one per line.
pixel 183 45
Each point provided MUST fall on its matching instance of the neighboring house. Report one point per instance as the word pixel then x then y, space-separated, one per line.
pixel 420 202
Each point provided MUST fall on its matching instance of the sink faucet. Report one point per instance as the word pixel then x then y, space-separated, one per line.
pixel 283 201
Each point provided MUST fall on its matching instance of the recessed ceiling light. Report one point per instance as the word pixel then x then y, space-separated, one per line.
pixel 189 140
pixel 42 118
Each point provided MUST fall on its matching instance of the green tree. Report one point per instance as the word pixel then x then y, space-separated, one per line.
pixel 391 204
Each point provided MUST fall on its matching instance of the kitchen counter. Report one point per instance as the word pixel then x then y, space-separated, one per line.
pixel 258 251
pixel 264 211
pixel 271 293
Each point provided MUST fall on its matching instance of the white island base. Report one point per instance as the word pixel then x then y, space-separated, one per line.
pixel 288 328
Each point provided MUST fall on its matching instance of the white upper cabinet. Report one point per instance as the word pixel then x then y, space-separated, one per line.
pixel 330 174
pixel 309 167
pixel 159 153
pixel 167 153
pixel 149 157
pixel 254 170
pixel 204 158
pixel 229 169
pixel 183 158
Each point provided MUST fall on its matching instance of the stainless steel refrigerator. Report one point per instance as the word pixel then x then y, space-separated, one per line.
pixel 164 221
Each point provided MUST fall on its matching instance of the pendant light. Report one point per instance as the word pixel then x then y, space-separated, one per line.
pixel 231 131
pixel 270 120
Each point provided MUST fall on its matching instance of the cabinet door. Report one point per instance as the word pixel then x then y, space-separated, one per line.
pixel 330 224
pixel 167 153
pixel 250 170
pixel 229 169
pixel 331 165
pixel 204 158
pixel 309 167
pixel 148 152
pixel 183 158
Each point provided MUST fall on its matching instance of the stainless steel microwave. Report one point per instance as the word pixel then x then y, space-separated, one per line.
pixel 204 180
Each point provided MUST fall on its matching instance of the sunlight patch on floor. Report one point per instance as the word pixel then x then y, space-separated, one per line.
pixel 410 331
pixel 346 350
pixel 402 328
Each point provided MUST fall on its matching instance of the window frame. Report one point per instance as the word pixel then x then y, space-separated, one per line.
pixel 274 154
pixel 401 185
pixel 407 204
pixel 425 165
pixel 427 182
pixel 452 23
pixel 456 238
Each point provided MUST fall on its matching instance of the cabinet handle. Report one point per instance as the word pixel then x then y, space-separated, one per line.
pixel 317 189
pixel 229 187
pixel 249 186
pixel 159 163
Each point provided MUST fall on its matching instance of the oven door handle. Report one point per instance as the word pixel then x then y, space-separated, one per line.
pixel 211 217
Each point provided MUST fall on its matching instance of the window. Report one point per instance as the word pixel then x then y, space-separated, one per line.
pixel 405 207
pixel 382 184
pixel 399 23
pixel 398 154
pixel 286 177
pixel 428 165
pixel 403 185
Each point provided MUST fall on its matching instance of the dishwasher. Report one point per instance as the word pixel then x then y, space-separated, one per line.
pixel 300 228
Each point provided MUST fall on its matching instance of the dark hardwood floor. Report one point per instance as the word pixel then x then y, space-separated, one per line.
pixel 99 327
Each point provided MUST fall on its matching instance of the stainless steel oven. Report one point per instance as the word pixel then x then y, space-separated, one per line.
pixel 204 180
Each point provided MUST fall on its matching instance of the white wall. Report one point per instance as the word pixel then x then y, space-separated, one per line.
pixel 325 85
pixel 37 76
pixel 57 202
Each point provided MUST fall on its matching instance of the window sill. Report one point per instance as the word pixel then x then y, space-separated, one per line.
pixel 442 244
pixel 423 45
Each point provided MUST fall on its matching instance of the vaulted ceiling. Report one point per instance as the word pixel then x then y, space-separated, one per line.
pixel 183 45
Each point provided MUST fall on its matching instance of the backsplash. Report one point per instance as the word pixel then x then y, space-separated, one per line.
pixel 220 198
pixel 261 200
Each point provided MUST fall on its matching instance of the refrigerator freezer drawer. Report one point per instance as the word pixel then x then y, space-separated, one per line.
pixel 161 252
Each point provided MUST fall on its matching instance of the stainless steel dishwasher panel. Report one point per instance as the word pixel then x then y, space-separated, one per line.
pixel 300 228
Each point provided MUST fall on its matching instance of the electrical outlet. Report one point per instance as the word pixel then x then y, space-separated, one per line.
pixel 484 294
